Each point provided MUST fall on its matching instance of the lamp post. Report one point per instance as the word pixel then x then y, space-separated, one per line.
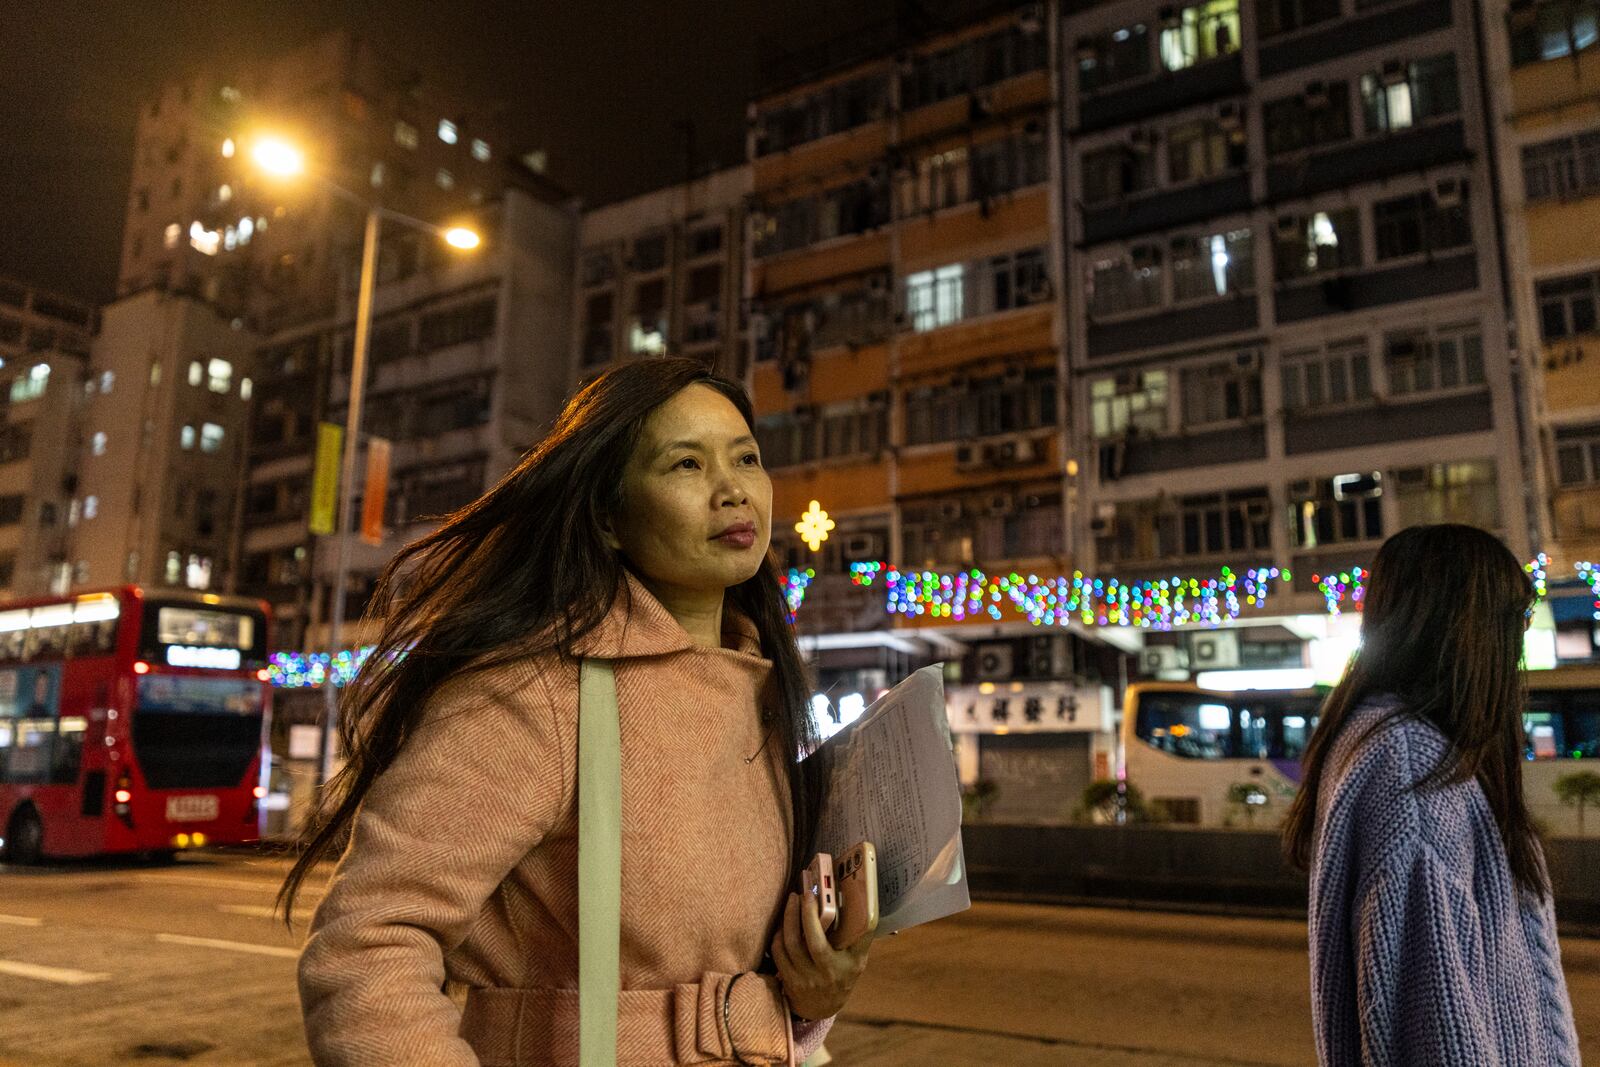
pixel 281 159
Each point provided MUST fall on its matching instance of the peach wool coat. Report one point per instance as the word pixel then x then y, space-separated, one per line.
pixel 462 866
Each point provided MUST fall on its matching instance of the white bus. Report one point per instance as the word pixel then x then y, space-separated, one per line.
pixel 1216 758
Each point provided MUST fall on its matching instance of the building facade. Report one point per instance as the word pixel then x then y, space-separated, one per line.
pixel 202 218
pixel 664 272
pixel 1547 91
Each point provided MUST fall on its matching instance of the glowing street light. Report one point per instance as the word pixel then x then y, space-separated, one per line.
pixel 462 238
pixel 278 157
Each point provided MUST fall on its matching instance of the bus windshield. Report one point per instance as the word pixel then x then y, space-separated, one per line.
pixel 196 732
pixel 1195 724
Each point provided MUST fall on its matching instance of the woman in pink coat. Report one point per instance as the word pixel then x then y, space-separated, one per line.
pixel 637 532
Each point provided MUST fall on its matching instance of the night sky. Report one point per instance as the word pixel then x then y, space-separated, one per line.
pixel 598 85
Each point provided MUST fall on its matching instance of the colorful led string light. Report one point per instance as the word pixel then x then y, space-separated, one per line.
pixel 795 582
pixel 1589 573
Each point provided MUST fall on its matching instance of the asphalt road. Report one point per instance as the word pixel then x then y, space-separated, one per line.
pixel 116 964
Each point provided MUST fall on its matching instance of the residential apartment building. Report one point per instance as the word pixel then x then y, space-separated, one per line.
pixel 202 218
pixel 1286 288
pixel 664 272
pixel 161 435
pixel 1546 58
pixel 44 355
pixel 908 364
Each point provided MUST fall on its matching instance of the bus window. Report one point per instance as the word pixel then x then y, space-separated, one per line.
pixel 1252 734
pixel 196 732
pixel 1186 724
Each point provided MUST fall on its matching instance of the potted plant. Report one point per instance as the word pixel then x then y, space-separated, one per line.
pixel 1247 796
pixel 1578 790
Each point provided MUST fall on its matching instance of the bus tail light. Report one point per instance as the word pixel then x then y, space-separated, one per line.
pixel 123 799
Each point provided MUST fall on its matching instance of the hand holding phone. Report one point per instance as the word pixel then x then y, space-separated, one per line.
pixel 857 881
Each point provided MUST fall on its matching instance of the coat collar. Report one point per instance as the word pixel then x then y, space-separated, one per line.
pixel 637 624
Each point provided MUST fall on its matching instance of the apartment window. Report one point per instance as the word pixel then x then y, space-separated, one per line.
pixel 998 404
pixel 1315 378
pixel 649 253
pixel 186 438
pixel 1128 281
pixel 171 235
pixel 1283 16
pixel 1130 401
pixel 1118 171
pixel 599 267
pixel 1118 55
pixel 1212 265
pixel 211 438
pixel 1554 28
pixel 1318 116
pixel 30 386
pixel 196 373
pixel 972 64
pixel 1196 34
pixel 219 373
pixel 107 380
pixel 1318 243
pixel 456 325
pixel 11 509
pixel 1562 169
pixel 16 441
pixel 97 444
pixel 1215 523
pixel 445 179
pixel 941 180
pixel 649 329
pixel 705 241
pixel 1578 455
pixel 704 283
pixel 447 131
pixel 935 298
pixel 405 135
pixel 91 506
pixel 832 110
pixel 1402 95
pixel 1009 163
pixel 1019 279
pixel 1418 363
pixel 1205 149
pixel 1567 306
pixel 480 150
pixel 597 331
pixel 1448 492
pixel 197 574
pixel 245 389
pixel 852 431
pixel 1224 391
pixel 1339 510
pixel 1418 223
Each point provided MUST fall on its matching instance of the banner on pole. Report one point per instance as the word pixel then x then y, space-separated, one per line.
pixel 377 491
pixel 325 482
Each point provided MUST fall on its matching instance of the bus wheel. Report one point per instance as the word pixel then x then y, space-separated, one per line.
pixel 25 838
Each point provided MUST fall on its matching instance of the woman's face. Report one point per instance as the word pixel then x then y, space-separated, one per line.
pixel 695 473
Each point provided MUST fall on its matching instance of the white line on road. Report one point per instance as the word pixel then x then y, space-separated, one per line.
pixel 232 946
pixel 59 975
pixel 21 920
pixel 260 911
pixel 225 883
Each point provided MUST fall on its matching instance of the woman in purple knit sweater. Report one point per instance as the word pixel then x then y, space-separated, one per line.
pixel 1432 934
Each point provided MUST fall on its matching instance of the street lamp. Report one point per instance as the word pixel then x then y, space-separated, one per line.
pixel 281 159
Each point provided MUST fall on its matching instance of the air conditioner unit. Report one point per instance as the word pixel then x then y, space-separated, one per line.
pixel 1394 72
pixel 1031 19
pixel 993 662
pixel 860 547
pixel 877 283
pixel 1448 192
pixel 1003 453
pixel 1213 650
pixel 1249 359
pixel 1287 226
pixel 1230 115
pixel 1048 656
pixel 948 510
pixel 1170 17
pixel 1304 489
pixel 1360 486
pixel 969 457
pixel 1316 95
pixel 1087 51
pixel 1014 374
pixel 1141 138
pixel 1099 527
pixel 1145 256
pixel 1039 291
pixel 1000 504
pixel 1158 660
pixel 1257 510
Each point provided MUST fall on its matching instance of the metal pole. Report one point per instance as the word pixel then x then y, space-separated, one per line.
pixel 347 473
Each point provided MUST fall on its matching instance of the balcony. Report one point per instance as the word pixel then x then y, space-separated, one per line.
pixel 1438 276
pixel 1348 36
pixel 1163 209
pixel 1368 160
pixel 1186 324
pixel 1377 424
pixel 1157 96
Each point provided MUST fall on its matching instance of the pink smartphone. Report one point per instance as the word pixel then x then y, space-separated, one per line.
pixel 816 882
pixel 857 882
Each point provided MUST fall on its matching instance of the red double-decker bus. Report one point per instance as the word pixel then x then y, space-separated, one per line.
pixel 131 721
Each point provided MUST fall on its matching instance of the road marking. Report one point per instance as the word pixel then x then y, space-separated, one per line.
pixel 226 883
pixel 260 911
pixel 232 946
pixel 21 920
pixel 59 975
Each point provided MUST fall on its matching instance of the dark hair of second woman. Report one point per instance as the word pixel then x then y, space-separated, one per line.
pixel 1442 628
pixel 527 560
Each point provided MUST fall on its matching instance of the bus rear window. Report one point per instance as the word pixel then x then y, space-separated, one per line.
pixel 206 629
pixel 1186 724
pixel 189 694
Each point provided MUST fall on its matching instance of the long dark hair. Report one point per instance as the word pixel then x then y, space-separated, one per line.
pixel 525 560
pixel 1442 628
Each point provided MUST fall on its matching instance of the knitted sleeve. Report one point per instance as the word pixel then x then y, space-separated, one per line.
pixel 1418 953
pixel 477 785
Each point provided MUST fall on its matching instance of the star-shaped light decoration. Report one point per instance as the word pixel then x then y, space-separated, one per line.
pixel 813 526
